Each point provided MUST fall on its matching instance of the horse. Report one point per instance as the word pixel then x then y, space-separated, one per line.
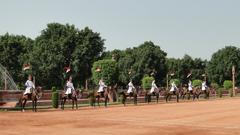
pixel 183 91
pixel 73 96
pixel 34 96
pixel 104 95
pixel 170 93
pixel 198 92
pixel 149 95
pixel 131 95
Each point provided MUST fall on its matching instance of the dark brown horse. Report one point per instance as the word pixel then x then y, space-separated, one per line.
pixel 198 92
pixel 132 95
pixel 34 96
pixel 170 93
pixel 149 95
pixel 102 95
pixel 74 97
pixel 183 92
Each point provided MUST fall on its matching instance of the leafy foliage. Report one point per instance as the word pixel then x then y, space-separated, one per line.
pixel 182 67
pixel 54 89
pixel 220 92
pixel 227 84
pixel 197 83
pixel 55 96
pixel 59 46
pixel 214 86
pixel 176 81
pixel 220 65
pixel 13 52
pixel 147 82
pixel 134 63
pixel 105 69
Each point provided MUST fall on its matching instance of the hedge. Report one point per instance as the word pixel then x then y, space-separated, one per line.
pixel 176 81
pixel 147 82
pixel 227 84
pixel 55 97
pixel 197 83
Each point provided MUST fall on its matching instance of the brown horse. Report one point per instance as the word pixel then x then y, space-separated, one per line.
pixel 170 93
pixel 104 95
pixel 74 97
pixel 131 95
pixel 183 91
pixel 198 92
pixel 149 95
pixel 34 96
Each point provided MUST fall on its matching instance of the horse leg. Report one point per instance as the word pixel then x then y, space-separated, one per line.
pixel 76 103
pixel 135 99
pixel 72 103
pixel 170 97
pixel 35 105
pixel 98 100
pixel 167 97
pixel 189 95
pixel 23 105
pixel 177 97
pixel 198 95
pixel 63 103
pixel 124 99
pixel 157 96
pixel 106 100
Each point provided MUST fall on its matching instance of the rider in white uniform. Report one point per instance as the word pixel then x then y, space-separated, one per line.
pixel 154 87
pixel 173 87
pixel 69 86
pixel 190 85
pixel 101 86
pixel 29 85
pixel 204 86
pixel 130 87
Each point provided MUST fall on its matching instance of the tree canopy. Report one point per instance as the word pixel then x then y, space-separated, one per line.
pixel 220 65
pixel 63 45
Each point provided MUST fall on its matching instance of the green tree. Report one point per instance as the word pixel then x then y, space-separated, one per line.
pixel 105 69
pixel 86 53
pixel 147 82
pixel 146 59
pixel 61 46
pixel 13 54
pixel 220 65
pixel 182 67
pixel 197 83
pixel 176 81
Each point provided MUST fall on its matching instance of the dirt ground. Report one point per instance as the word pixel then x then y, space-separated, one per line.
pixel 218 117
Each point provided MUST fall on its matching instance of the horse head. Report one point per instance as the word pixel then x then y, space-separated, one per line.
pixel 39 91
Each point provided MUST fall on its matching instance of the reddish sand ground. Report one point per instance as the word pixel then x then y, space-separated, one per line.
pixel 218 117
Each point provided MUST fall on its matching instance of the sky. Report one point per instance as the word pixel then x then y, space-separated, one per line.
pixel 194 27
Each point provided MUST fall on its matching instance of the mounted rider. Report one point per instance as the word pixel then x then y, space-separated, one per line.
pixel 130 88
pixel 154 87
pixel 204 86
pixel 173 87
pixel 69 88
pixel 101 87
pixel 190 88
pixel 29 86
